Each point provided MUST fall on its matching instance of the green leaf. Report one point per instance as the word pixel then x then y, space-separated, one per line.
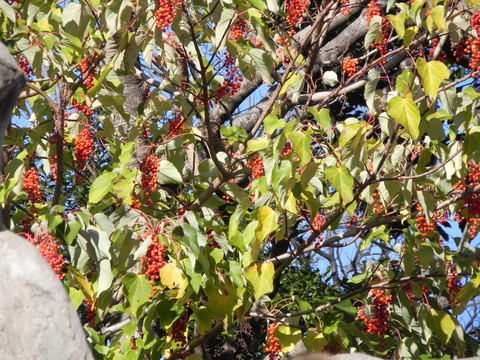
pixel 288 337
pixel 222 305
pixel 301 145
pixel 272 5
pixel 342 181
pixel 322 116
pixel 260 276
pixel 272 123
pixel 443 324
pixel 374 33
pixel 398 23
pixel 263 63
pixel 267 223
pixel 168 173
pixel 432 74
pixel 330 78
pixel 409 35
pixel 100 187
pixel 437 14
pixel 105 276
pixel 6 9
pixel 82 282
pixel 257 144
pixel 406 113
pixel 136 289
pixel 223 27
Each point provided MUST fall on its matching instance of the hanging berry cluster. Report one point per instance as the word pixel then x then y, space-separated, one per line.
pixel 295 10
pixel 349 66
pixel 272 347
pixel 25 66
pixel 287 149
pixel 166 13
pixel 179 327
pixel 239 30
pixel 378 207
pixel 83 151
pixel 149 169
pixel 175 125
pixel 424 227
pixel 453 283
pixel 374 9
pixel 231 80
pixel 88 312
pixel 317 224
pixel 81 108
pixel 471 207
pixel 154 259
pixel 30 178
pixel 88 73
pixel 256 165
pixel 50 249
pixel 376 322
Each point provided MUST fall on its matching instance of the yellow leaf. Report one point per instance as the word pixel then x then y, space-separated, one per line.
pixel 267 223
pixel 173 277
pixel 260 276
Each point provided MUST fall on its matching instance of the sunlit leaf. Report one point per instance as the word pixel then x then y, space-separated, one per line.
pixel 260 276
pixel 342 181
pixel 406 113
pixel 173 277
pixel 432 73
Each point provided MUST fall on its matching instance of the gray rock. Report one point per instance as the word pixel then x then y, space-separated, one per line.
pixel 37 320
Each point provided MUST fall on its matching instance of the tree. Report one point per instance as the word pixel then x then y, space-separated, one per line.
pixel 189 167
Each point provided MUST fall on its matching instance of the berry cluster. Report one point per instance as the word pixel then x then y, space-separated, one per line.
pixel 376 321
pixel 255 41
pixel 471 207
pixel 281 51
pixel 317 225
pixel 349 66
pixel 175 125
pixel 433 46
pixel 83 107
pixel 83 151
pixel 179 327
pixel 50 250
pixel 378 207
pixel 453 283
pixel 256 165
pixel 149 169
pixel 88 73
pixel 374 9
pixel 166 13
pixel 53 166
pixel 344 8
pixel 31 186
pixel 25 66
pixel 407 289
pixel 88 312
pixel 287 149
pixel 272 347
pixel 425 228
pixel 239 30
pixel 231 80
pixel 295 10
pixel 154 259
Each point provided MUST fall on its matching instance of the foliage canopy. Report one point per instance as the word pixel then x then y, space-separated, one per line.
pixel 230 179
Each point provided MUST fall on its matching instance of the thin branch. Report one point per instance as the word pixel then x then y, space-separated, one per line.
pixel 323 307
